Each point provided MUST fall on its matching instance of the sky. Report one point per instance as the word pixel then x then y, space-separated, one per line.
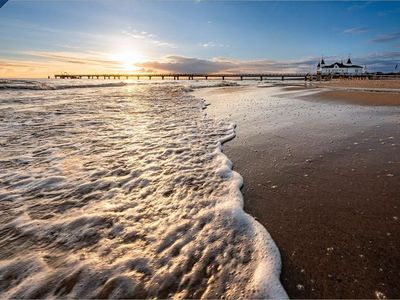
pixel 44 37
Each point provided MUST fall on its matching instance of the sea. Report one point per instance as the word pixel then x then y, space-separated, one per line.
pixel 120 189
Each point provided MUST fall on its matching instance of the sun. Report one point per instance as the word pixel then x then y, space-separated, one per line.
pixel 128 60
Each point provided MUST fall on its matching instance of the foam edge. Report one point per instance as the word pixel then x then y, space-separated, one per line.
pixel 266 275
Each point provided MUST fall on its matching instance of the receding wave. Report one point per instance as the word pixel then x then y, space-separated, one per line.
pixel 43 85
pixel 125 193
pixel 210 84
pixel 50 85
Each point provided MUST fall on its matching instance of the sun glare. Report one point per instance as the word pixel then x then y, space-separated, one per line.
pixel 128 60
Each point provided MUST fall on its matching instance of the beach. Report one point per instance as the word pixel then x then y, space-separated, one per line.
pixel 221 149
pixel 321 174
pixel 146 189
pixel 365 84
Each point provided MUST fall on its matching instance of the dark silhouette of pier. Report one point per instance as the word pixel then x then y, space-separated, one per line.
pixel 263 76
pixel 173 76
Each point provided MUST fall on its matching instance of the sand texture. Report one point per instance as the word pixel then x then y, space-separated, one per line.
pixel 323 178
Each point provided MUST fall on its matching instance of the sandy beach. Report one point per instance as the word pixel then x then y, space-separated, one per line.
pixel 359 97
pixel 200 149
pixel 369 84
pixel 321 174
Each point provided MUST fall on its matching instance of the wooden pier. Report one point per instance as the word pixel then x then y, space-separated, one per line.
pixel 185 76
pixel 263 76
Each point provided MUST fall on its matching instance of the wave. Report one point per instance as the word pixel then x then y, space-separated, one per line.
pixel 35 85
pixel 43 85
pixel 126 194
pixel 265 282
pixel 211 84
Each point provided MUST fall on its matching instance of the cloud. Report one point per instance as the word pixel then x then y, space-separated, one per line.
pixel 42 63
pixel 383 38
pixel 148 37
pixel 212 45
pixel 359 6
pixel 388 12
pixel 138 34
pixel 383 61
pixel 25 68
pixel 379 61
pixel 18 64
pixel 83 58
pixel 182 64
pixel 355 30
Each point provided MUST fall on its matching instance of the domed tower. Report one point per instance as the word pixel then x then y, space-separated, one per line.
pixel 349 63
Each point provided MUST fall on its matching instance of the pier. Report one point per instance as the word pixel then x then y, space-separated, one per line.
pixel 263 76
pixel 172 76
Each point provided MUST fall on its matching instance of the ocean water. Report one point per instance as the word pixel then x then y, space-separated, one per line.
pixel 120 190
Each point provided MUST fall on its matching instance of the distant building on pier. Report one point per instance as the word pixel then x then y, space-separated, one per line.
pixel 339 68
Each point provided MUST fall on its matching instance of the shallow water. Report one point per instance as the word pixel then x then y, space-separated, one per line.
pixel 122 191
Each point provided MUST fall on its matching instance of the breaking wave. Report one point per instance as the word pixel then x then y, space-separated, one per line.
pixel 61 84
pixel 52 84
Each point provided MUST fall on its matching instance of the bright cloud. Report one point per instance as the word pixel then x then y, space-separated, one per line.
pixel 213 45
pixel 356 30
pixel 147 37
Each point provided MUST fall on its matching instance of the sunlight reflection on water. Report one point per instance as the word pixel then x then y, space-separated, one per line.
pixel 123 192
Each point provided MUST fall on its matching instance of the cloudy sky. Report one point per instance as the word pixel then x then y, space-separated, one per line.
pixel 44 37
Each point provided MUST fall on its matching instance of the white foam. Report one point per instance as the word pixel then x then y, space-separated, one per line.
pixel 39 85
pixel 125 193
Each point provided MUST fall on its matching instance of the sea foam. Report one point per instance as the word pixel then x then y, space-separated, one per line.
pixel 124 192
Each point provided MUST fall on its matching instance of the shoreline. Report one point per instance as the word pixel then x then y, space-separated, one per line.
pixel 364 92
pixel 320 175
pixel 367 98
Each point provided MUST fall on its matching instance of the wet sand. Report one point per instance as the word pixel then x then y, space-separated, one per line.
pixel 323 178
pixel 359 97
pixel 375 84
